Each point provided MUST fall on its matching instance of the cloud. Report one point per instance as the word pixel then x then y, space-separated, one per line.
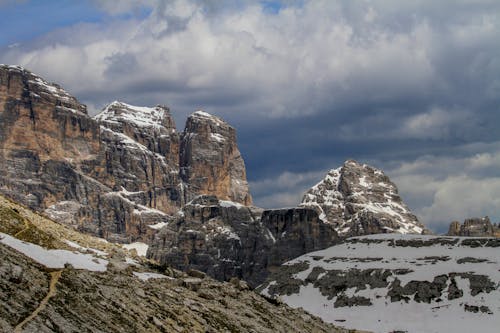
pixel 441 189
pixel 321 56
pixel 286 190
pixel 124 6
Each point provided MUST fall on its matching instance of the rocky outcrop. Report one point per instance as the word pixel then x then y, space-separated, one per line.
pixel 358 199
pixel 141 148
pixel 115 174
pixel 295 231
pixel 226 239
pixel 474 227
pixel 210 161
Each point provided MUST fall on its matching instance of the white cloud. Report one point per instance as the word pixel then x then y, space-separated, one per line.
pixel 301 60
pixel 286 190
pixel 444 189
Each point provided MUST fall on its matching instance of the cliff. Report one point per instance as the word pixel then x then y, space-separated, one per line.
pixel 226 239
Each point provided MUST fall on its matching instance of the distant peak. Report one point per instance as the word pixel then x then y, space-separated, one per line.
pixel 355 195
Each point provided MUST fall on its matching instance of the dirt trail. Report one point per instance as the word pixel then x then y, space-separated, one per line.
pixel 52 291
pixel 26 227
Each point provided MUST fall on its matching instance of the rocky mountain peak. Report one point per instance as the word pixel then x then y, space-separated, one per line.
pixel 210 160
pixel 37 89
pixel 359 199
pixel 137 116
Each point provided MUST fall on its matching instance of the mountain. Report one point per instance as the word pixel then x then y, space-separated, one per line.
pixel 475 227
pixel 358 199
pixel 117 173
pixel 397 283
pixel 55 279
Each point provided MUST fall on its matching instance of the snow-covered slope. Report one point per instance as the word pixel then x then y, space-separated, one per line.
pixel 359 199
pixel 386 283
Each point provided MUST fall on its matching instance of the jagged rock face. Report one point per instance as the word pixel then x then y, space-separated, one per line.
pixel 111 175
pixel 141 147
pixel 397 283
pixel 226 239
pixel 474 227
pixel 42 117
pixel 210 160
pixel 44 134
pixel 296 231
pixel 358 199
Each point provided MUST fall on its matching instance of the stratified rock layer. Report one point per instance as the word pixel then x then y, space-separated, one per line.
pixel 358 199
pixel 116 173
pixel 226 239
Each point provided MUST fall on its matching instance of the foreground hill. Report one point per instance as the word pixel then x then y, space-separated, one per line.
pixel 407 283
pixel 54 279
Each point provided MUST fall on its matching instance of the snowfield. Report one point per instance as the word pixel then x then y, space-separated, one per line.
pixel 391 282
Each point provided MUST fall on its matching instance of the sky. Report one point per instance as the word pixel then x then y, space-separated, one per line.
pixel 410 87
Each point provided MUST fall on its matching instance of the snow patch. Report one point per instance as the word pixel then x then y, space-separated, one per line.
pixel 79 247
pixel 141 248
pixel 158 226
pixel 55 258
pixel 423 263
pixel 145 276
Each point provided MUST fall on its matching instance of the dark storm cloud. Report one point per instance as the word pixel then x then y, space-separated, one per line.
pixel 309 84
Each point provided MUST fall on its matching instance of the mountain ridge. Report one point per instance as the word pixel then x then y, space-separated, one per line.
pixel 110 175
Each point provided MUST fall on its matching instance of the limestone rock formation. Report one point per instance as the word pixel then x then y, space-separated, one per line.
pixel 358 199
pixel 210 161
pixel 115 174
pixel 226 239
pixel 474 227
